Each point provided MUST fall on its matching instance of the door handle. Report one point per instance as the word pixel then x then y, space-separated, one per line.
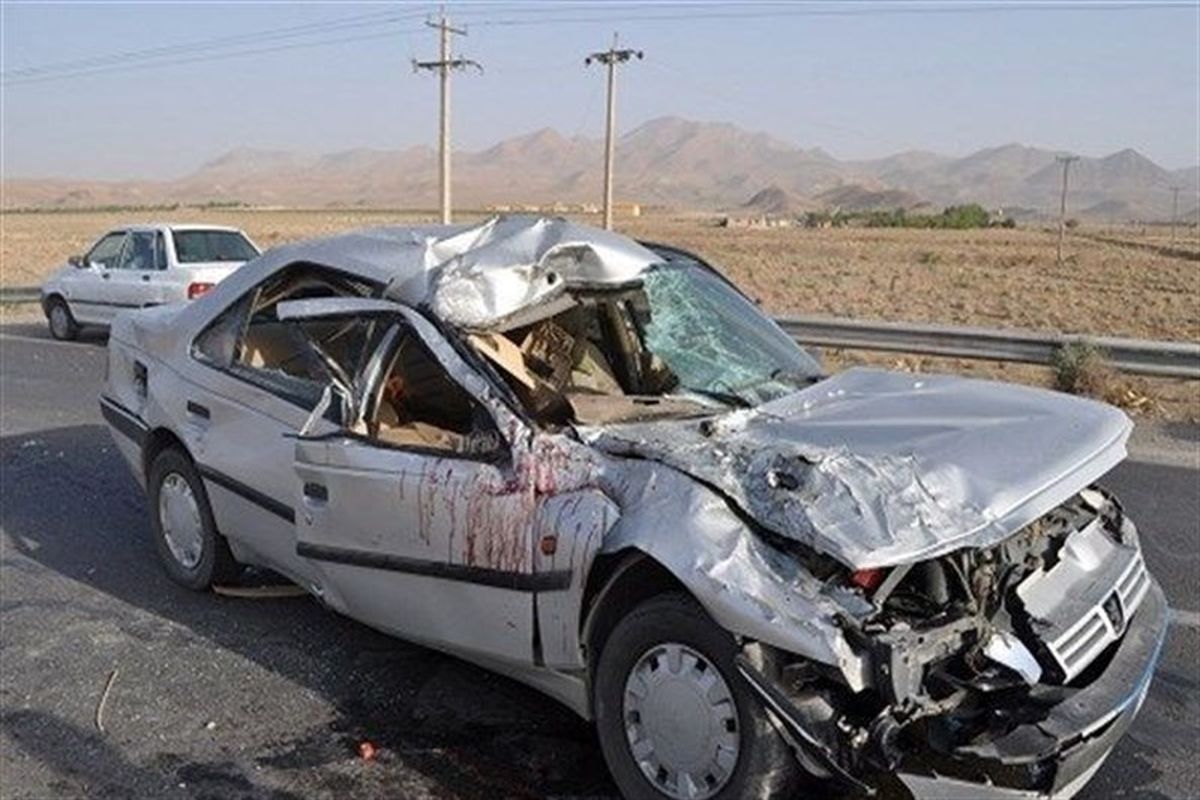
pixel 198 410
pixel 316 491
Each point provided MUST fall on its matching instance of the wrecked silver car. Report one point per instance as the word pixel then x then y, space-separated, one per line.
pixel 593 465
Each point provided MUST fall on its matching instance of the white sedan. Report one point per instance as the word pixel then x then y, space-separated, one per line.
pixel 138 266
pixel 595 466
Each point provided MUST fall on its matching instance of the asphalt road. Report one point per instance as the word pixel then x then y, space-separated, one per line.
pixel 215 697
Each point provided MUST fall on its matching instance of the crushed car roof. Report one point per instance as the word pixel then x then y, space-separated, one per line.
pixel 483 275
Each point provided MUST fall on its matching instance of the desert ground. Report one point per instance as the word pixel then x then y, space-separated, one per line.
pixel 1115 281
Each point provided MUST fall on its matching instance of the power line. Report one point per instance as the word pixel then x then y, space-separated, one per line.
pixel 872 11
pixel 207 58
pixel 185 47
pixel 629 12
pixel 444 66
pixel 171 51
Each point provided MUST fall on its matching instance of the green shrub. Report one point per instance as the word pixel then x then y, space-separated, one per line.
pixel 1082 368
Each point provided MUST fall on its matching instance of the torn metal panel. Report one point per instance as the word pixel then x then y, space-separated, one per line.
pixel 877 468
pixel 747 585
pixel 1005 648
pixel 484 276
pixel 508 269
pixel 334 307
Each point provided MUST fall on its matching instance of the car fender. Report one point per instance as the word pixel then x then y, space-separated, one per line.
pixel 749 587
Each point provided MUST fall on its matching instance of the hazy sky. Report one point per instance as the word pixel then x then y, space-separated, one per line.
pixel 866 80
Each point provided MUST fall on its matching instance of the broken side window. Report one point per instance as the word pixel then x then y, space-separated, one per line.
pixel 293 360
pixel 585 365
pixel 217 344
pixel 417 404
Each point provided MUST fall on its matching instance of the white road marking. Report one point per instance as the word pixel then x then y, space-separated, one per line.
pixel 1188 619
pixel 1185 456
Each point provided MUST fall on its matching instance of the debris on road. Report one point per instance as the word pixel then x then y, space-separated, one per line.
pixel 367 750
pixel 260 592
pixel 112 677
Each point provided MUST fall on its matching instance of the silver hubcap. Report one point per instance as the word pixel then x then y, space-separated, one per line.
pixel 58 320
pixel 681 722
pixel 180 518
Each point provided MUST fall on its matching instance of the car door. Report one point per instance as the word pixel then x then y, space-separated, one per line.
pixel 86 288
pixel 248 386
pixel 422 518
pixel 138 275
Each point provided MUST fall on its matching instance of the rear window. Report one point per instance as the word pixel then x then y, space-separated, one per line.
pixel 195 247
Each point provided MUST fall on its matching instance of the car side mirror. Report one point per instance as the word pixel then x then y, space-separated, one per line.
pixel 78 262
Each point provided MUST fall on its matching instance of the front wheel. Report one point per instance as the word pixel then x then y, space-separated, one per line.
pixel 62 322
pixel 194 554
pixel 674 717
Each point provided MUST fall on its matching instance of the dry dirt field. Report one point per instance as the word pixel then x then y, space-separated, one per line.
pixel 1115 281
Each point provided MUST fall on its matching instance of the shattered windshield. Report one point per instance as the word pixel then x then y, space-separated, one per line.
pixel 715 341
pixel 679 341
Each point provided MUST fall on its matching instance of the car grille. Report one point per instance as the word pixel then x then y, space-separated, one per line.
pixel 1102 624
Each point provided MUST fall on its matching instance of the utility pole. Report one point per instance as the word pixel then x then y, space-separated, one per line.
pixel 443 66
pixel 1062 207
pixel 611 58
pixel 1174 212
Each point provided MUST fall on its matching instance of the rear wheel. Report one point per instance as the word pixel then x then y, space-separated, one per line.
pixel 62 322
pixel 675 719
pixel 194 554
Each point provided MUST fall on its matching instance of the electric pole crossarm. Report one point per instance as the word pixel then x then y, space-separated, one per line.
pixel 443 25
pixel 454 63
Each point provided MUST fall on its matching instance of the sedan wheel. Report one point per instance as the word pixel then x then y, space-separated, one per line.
pixel 676 721
pixel 179 517
pixel 191 549
pixel 681 722
pixel 62 323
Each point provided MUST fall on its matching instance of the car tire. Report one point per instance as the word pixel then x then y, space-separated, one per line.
pixel 62 322
pixel 191 549
pixel 686 712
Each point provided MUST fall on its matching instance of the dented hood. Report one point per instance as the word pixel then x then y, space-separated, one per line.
pixel 877 468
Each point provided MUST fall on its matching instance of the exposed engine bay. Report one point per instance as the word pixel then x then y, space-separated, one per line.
pixel 968 647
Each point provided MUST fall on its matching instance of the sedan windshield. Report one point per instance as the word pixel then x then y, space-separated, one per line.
pixel 680 341
pixel 198 247
pixel 715 341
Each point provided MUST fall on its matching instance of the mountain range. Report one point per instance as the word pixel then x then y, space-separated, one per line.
pixel 669 162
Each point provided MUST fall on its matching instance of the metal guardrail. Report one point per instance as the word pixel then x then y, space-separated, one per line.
pixel 20 294
pixel 1140 356
pixel 1163 359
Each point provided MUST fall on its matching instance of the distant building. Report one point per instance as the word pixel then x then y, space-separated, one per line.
pixel 757 223
pixel 624 209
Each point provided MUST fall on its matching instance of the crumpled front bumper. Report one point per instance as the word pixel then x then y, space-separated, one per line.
pixel 1056 756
